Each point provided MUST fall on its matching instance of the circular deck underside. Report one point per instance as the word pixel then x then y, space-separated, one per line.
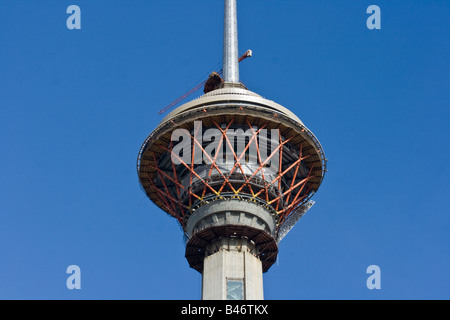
pixel 196 247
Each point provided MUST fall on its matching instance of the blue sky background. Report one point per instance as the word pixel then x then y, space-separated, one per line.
pixel 76 105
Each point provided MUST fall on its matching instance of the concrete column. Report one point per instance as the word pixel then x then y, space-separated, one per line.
pixel 232 270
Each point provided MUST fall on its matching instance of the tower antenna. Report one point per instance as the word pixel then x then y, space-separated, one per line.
pixel 230 43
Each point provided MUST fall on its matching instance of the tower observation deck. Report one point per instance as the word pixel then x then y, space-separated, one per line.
pixel 237 171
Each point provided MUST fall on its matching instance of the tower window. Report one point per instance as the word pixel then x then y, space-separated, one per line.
pixel 235 289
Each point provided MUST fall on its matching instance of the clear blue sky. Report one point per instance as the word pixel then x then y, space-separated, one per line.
pixel 76 105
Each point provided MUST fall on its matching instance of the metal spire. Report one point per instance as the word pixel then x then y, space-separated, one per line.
pixel 230 43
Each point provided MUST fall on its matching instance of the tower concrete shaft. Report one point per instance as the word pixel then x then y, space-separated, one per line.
pixel 232 271
pixel 236 234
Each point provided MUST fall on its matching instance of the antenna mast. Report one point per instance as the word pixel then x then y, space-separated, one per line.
pixel 230 43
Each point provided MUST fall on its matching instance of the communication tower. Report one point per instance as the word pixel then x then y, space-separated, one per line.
pixel 237 171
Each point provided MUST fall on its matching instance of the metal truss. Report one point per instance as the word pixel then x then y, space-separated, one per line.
pixel 180 200
pixel 292 220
